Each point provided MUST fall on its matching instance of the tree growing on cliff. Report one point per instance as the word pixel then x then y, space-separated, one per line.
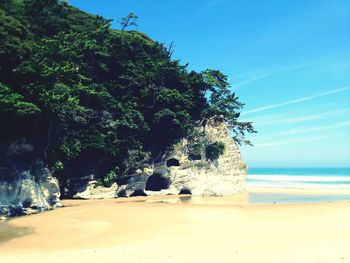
pixel 129 20
pixel 224 105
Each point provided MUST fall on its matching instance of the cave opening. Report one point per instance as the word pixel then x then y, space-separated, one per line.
pixel 185 191
pixel 172 162
pixel 194 157
pixel 138 192
pixel 157 182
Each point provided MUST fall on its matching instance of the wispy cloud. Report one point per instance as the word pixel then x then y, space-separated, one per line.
pixel 250 80
pixel 300 131
pixel 299 100
pixel 318 129
pixel 269 120
pixel 249 77
pixel 293 141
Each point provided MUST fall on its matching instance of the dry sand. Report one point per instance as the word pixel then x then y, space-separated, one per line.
pixel 197 230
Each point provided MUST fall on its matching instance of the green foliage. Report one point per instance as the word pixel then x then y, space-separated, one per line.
pixel 58 166
pixel 214 150
pixel 95 97
pixel 129 20
pixel 224 104
pixel 108 180
pixel 13 103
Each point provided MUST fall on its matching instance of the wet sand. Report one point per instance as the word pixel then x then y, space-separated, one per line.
pixel 167 229
pixel 8 232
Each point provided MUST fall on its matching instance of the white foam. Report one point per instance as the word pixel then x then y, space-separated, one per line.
pixel 298 185
pixel 296 178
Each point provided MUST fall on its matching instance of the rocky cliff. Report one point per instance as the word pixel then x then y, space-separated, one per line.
pixel 186 169
pixel 26 185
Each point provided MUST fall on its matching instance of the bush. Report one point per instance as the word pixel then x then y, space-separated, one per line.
pixel 108 180
pixel 214 150
pixel 58 166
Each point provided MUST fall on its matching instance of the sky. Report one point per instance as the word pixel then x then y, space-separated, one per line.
pixel 288 61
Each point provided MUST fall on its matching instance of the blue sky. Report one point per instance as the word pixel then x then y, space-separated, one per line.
pixel 288 61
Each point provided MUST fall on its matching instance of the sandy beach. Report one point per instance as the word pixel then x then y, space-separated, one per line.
pixel 169 229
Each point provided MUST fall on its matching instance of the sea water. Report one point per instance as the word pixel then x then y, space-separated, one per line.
pixel 298 178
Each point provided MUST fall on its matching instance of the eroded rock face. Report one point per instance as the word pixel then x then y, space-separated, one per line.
pixel 183 172
pixel 26 184
pixel 89 191
pixel 224 176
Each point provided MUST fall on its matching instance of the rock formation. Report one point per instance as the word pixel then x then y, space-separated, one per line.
pixel 26 185
pixel 181 171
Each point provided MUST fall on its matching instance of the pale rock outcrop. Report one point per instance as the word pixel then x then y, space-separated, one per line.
pixel 180 173
pixel 26 184
pixel 91 191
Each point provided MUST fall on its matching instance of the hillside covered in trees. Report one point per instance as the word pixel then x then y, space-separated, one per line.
pixel 95 100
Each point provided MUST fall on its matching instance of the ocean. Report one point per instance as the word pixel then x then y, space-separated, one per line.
pixel 298 178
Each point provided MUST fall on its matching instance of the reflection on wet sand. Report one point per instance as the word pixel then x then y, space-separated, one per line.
pixel 8 232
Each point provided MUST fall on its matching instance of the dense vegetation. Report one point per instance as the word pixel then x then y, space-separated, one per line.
pixel 94 99
pixel 214 150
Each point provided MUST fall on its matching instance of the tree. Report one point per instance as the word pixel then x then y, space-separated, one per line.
pixel 12 103
pixel 97 100
pixel 129 20
pixel 224 105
